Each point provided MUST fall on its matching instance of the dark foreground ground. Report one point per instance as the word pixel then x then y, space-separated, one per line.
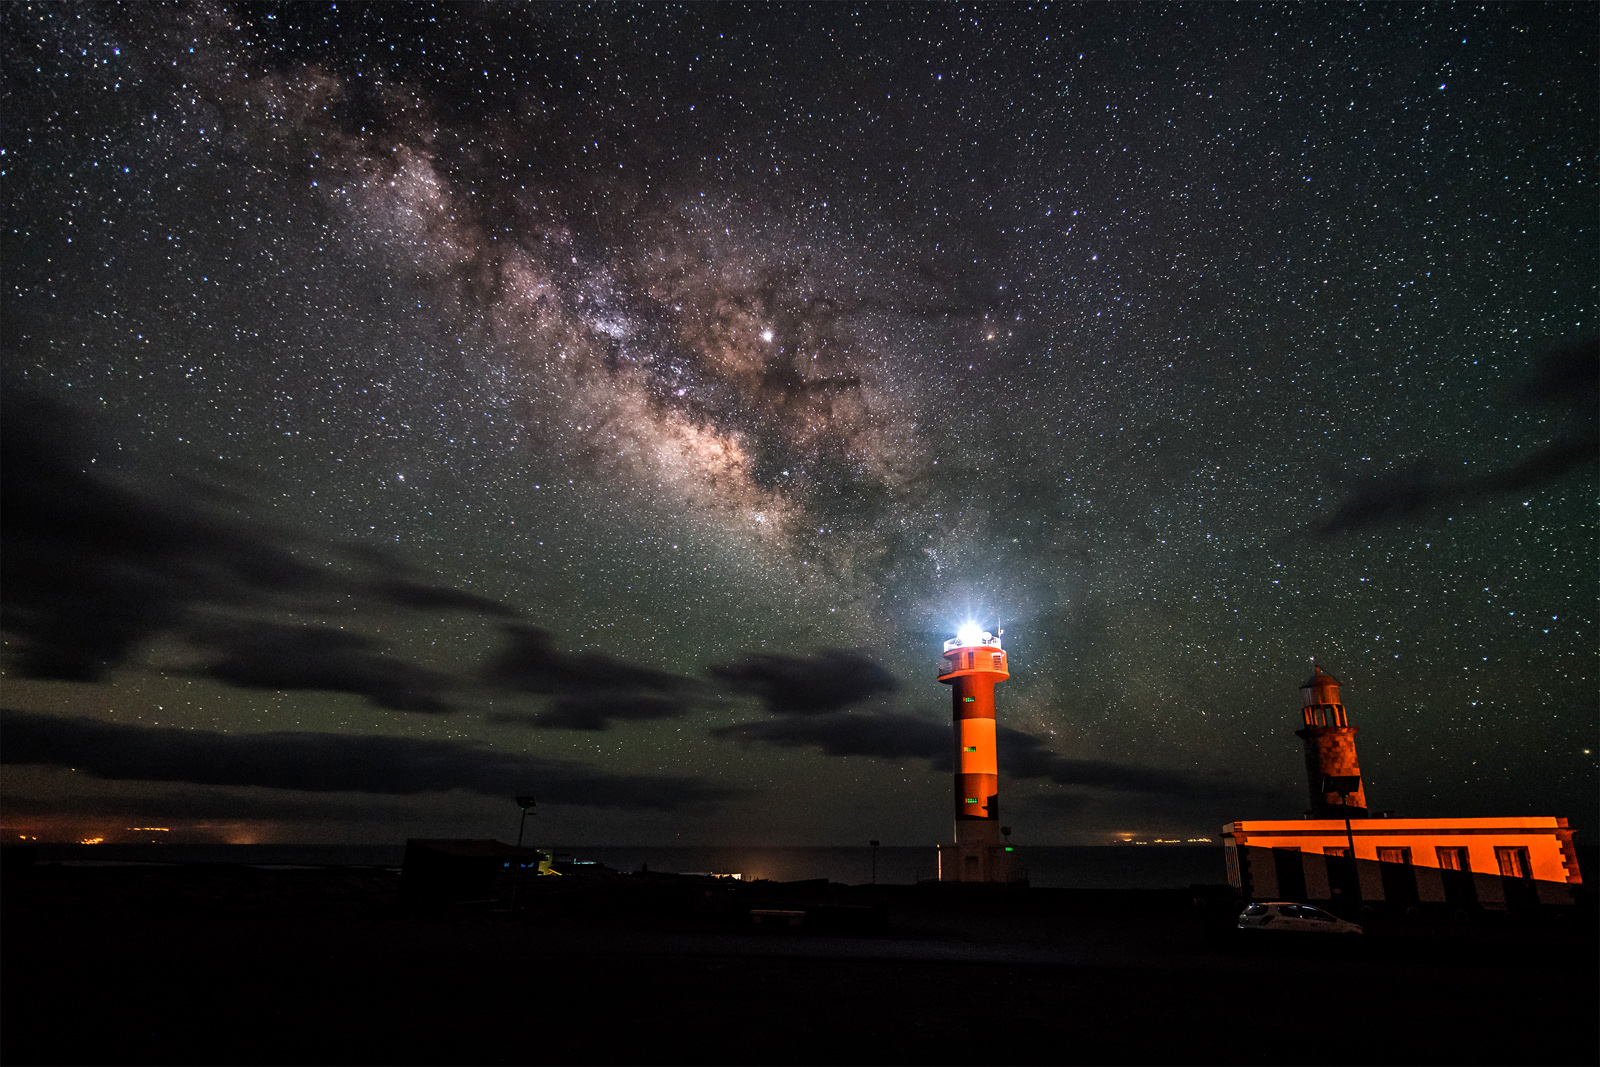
pixel 239 965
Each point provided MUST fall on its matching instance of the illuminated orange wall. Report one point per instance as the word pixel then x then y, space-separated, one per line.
pixel 1547 839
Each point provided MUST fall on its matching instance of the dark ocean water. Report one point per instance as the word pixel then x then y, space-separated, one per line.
pixel 1065 867
pixel 1097 867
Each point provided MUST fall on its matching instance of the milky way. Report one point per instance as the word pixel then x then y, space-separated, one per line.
pixel 595 371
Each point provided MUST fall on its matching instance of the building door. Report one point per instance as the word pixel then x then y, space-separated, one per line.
pixel 1455 870
pixel 1516 875
pixel 1291 872
pixel 1399 878
pixel 1341 875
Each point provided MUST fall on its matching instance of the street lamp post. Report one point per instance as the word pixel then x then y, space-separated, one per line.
pixel 1345 785
pixel 874 845
pixel 526 804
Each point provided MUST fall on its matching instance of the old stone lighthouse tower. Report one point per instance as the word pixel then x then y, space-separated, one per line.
pixel 1332 773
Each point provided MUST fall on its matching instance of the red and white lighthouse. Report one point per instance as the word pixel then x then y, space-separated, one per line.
pixel 972 665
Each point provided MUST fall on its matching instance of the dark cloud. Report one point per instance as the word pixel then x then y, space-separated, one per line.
pixel 885 736
pixel 420 596
pixel 594 688
pixel 1568 376
pixel 1025 755
pixel 268 656
pixel 595 711
pixel 205 804
pixel 323 762
pixel 531 663
pixel 1415 491
pixel 1178 814
pixel 89 569
pixel 1022 755
pixel 795 685
pixel 1057 803
pixel 1122 777
pixel 1566 383
pixel 92 569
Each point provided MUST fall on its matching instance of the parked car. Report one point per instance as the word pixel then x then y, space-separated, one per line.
pixel 1294 918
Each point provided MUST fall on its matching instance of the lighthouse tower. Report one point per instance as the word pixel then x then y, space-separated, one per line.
pixel 972 665
pixel 1332 774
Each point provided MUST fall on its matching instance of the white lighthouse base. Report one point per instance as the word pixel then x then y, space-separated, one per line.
pixel 978 855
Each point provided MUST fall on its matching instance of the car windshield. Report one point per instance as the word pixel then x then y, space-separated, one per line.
pixel 1256 909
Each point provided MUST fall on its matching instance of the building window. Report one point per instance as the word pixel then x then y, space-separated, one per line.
pixel 1513 862
pixel 1453 859
pixel 1333 850
pixel 1394 855
pixel 997 661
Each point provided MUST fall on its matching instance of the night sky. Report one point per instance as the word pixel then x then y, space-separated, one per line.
pixel 409 407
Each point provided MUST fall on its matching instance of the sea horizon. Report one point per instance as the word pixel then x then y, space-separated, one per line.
pixel 1118 866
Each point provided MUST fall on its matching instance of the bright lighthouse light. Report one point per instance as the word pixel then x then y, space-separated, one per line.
pixel 970 634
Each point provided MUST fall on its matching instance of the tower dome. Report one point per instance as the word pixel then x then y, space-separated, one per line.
pixel 1321 689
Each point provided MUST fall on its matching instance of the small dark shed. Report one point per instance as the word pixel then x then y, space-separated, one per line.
pixel 455 870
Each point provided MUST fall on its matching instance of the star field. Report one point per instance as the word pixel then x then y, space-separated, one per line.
pixel 1188 343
